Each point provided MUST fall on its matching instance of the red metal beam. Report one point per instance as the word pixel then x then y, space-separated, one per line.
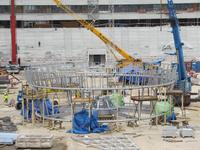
pixel 13 32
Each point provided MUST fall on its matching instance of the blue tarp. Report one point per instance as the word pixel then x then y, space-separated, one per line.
pixel 38 106
pixel 131 70
pixel 196 66
pixel 82 124
pixel 171 117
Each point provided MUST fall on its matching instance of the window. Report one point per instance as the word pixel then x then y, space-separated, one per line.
pixel 4 9
pixel 95 60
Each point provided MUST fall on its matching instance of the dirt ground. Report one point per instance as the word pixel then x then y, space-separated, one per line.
pixel 149 137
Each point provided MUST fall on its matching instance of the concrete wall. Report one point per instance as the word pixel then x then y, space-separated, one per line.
pixel 63 43
pixel 102 16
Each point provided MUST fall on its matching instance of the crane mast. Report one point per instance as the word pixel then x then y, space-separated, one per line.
pixel 13 33
pixel 128 59
pixel 183 82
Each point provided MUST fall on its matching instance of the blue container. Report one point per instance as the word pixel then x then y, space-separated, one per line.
pixel 194 66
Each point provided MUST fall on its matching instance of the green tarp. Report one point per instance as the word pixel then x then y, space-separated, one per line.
pixel 163 107
pixel 117 99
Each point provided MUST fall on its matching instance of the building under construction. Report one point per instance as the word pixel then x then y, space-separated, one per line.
pixel 45 31
pixel 99 74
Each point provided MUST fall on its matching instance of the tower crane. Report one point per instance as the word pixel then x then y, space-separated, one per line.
pixel 128 59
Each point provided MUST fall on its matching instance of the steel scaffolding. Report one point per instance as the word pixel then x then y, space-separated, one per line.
pixel 93 10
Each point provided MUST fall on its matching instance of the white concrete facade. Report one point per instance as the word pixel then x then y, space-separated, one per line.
pixel 65 43
pixel 102 16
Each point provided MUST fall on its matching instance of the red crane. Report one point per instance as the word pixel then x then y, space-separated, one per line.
pixel 13 67
pixel 13 33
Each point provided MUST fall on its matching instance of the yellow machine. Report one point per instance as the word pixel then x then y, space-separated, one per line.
pixel 128 59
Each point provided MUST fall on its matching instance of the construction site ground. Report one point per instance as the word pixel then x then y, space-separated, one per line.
pixel 145 136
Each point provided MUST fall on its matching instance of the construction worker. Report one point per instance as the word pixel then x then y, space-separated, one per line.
pixel 78 94
pixel 5 97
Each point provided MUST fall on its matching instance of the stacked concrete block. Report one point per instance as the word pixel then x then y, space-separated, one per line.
pixel 34 141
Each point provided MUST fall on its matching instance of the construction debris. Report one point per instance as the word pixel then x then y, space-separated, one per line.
pixel 116 127
pixel 6 125
pixel 109 142
pixel 173 140
pixel 4 78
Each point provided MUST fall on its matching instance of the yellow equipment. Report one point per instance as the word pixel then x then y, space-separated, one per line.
pixel 128 59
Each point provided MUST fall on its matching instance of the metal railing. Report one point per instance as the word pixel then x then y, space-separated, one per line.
pixel 63 77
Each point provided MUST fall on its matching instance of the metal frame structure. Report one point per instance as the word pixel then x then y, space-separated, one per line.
pixel 90 84
pixel 59 77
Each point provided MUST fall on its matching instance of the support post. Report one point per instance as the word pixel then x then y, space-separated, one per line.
pixel 43 111
pixel 182 104
pixel 33 112
pixel 23 107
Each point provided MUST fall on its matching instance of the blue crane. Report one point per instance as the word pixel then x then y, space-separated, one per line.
pixel 183 82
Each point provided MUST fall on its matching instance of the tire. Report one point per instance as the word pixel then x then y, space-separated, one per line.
pixel 18 106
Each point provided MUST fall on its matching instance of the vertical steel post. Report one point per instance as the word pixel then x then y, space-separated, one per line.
pixel 13 32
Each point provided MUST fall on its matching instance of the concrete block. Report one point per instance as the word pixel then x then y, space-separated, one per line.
pixel 169 131
pixel 34 141
pixel 186 132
